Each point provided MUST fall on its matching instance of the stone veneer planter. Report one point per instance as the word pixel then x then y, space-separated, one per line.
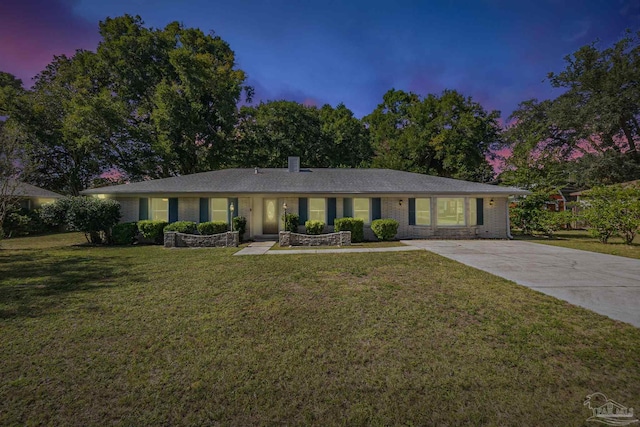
pixel 180 240
pixel 341 238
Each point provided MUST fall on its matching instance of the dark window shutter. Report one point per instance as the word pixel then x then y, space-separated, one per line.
pixel 303 211
pixel 412 211
pixel 204 209
pixel 331 210
pixel 143 210
pixel 235 208
pixel 173 209
pixel 376 208
pixel 347 207
pixel 480 211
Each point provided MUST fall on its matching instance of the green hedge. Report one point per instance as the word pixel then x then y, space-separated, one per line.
pixel 152 230
pixel 187 227
pixel 385 229
pixel 314 227
pixel 354 225
pixel 212 227
pixel 291 222
pixel 240 225
pixel 124 233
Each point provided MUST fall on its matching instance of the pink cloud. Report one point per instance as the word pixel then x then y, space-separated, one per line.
pixel 33 31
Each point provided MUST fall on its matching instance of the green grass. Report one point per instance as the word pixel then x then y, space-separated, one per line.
pixel 149 336
pixel 362 245
pixel 580 239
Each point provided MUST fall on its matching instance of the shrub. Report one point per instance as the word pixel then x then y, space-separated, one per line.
pixel 94 217
pixel 385 229
pixel 291 222
pixel 612 210
pixel 354 225
pixel 152 230
pixel 188 227
pixel 212 227
pixel 124 233
pixel 240 225
pixel 549 222
pixel 314 227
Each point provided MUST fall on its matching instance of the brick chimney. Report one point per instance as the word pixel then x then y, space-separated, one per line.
pixel 294 164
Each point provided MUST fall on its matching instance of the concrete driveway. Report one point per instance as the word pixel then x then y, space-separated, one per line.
pixel 606 284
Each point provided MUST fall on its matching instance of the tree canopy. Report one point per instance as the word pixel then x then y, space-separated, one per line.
pixel 590 133
pixel 448 135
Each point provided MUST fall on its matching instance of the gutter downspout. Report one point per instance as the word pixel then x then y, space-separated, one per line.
pixel 509 236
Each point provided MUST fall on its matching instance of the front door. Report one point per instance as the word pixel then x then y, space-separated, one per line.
pixel 270 216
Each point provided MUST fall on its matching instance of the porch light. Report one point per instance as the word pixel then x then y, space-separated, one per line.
pixel 400 203
pixel 284 207
pixel 491 202
pixel 232 208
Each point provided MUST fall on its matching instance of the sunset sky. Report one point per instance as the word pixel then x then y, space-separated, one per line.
pixel 498 52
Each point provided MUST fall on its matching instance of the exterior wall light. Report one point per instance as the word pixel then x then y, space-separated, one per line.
pixel 491 202
pixel 400 203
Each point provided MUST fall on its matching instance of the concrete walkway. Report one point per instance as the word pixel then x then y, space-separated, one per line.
pixel 261 248
pixel 256 248
pixel 606 284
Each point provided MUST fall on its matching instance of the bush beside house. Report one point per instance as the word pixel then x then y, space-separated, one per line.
pixel 314 227
pixel 152 230
pixel 385 229
pixel 188 227
pixel 354 225
pixel 212 227
pixel 94 217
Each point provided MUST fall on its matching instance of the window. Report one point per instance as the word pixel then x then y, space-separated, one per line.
pixel 361 209
pixel 451 211
pixel 317 209
pixel 423 211
pixel 219 210
pixel 473 211
pixel 159 209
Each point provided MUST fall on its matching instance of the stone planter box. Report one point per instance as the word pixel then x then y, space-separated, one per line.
pixel 341 238
pixel 180 240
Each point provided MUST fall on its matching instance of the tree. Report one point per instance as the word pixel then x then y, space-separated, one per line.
pixel 94 217
pixel 592 127
pixel 66 122
pixel 348 137
pixel 270 132
pixel 178 89
pixel 449 135
pixel 538 148
pixel 13 163
pixel 602 103
pixel 612 210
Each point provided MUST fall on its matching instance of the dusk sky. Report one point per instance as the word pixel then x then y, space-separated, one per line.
pixel 498 52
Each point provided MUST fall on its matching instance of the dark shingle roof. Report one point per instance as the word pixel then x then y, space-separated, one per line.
pixel 23 189
pixel 331 181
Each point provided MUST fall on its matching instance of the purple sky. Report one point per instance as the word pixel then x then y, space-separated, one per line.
pixel 333 51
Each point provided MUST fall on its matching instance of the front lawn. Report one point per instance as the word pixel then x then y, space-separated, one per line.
pixel 580 239
pixel 150 336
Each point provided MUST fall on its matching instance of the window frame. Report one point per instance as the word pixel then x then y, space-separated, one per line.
pixel 367 220
pixel 428 200
pixel 458 214
pixel 152 210
pixel 226 210
pixel 310 216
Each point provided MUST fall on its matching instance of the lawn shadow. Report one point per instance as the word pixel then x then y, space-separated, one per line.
pixel 35 283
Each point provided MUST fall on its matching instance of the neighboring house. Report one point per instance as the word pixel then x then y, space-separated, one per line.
pixel 425 206
pixel 29 196
pixel 561 199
